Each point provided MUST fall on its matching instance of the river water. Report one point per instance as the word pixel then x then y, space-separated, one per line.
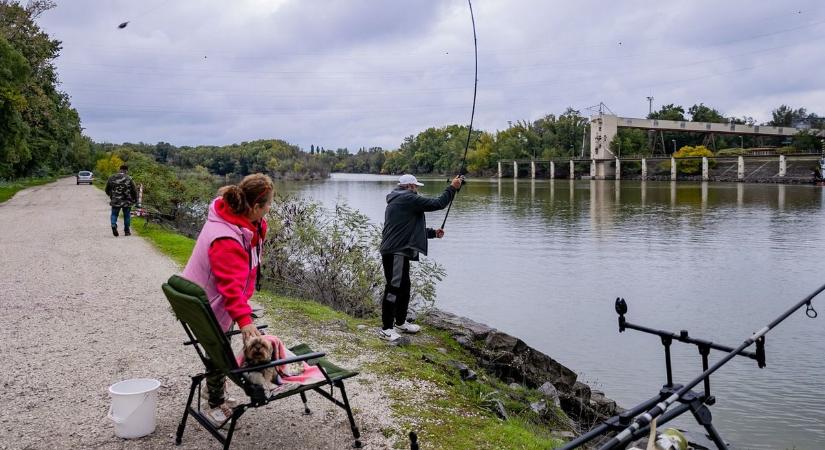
pixel 545 260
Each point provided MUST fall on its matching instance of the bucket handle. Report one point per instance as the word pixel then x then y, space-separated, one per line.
pixel 121 420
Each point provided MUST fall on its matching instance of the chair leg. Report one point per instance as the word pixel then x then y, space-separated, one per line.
pixel 355 433
pixel 195 383
pixel 236 414
pixel 306 407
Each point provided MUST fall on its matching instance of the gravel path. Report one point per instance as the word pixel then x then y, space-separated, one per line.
pixel 83 310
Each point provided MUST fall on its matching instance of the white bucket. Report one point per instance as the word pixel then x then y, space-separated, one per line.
pixel 133 407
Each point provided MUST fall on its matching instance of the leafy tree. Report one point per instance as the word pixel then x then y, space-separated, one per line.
pixel 702 113
pixel 395 162
pixel 52 127
pixel 806 141
pixel 480 157
pixel 107 166
pixel 668 112
pixel 630 141
pixel 14 71
pixel 786 116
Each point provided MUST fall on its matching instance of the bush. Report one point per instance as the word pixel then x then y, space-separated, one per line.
pixel 175 197
pixel 332 257
pixel 690 166
pixel 107 166
pixel 736 151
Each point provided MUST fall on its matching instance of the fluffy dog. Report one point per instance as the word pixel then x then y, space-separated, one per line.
pixel 258 351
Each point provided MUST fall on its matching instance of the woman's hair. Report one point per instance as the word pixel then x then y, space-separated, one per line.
pixel 253 190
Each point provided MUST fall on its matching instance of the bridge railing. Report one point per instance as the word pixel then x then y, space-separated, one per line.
pixel 796 167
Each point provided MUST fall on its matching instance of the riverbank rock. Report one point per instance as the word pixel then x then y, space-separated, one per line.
pixel 513 361
pixel 550 392
pixel 503 354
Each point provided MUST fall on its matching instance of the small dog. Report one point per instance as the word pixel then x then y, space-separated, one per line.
pixel 258 351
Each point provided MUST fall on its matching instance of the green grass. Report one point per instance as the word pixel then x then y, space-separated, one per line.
pixel 460 414
pixel 9 188
pixel 174 245
pixel 448 414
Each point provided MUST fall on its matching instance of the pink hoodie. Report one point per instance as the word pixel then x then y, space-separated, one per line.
pixel 225 264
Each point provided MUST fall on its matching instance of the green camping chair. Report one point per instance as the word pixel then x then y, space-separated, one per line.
pixel 191 307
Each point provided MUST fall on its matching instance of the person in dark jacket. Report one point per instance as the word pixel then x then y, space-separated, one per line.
pixel 122 194
pixel 404 237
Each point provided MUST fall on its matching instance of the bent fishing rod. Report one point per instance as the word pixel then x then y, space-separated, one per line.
pixel 472 113
pixel 635 422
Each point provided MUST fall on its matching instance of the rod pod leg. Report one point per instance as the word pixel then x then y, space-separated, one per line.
pixel 704 417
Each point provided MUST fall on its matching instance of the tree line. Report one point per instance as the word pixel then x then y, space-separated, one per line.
pixel 275 157
pixel 40 132
pixel 440 150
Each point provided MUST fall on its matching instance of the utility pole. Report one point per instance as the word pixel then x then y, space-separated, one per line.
pixel 649 105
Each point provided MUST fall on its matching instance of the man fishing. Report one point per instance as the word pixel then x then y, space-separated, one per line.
pixel 404 237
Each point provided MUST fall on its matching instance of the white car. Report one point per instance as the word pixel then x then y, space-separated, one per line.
pixel 84 176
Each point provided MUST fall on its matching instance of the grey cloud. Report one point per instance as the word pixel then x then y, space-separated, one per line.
pixel 370 72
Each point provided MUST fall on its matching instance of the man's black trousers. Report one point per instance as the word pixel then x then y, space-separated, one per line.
pixel 396 298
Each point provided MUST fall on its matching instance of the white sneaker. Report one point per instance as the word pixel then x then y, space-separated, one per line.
pixel 389 335
pixel 407 327
pixel 231 402
pixel 216 416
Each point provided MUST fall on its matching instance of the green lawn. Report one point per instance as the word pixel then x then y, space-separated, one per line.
pixel 9 188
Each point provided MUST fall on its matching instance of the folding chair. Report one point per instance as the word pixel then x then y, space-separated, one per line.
pixel 191 307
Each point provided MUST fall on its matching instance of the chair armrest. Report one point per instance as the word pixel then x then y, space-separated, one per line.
pixel 280 362
pixel 228 334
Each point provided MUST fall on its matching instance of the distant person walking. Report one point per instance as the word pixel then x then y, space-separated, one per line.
pixel 122 194
pixel 404 237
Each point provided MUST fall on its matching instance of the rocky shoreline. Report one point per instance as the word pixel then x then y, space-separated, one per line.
pixel 513 361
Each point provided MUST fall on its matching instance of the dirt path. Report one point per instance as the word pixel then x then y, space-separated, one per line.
pixel 83 309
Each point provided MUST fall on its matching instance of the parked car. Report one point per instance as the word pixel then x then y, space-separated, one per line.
pixel 84 176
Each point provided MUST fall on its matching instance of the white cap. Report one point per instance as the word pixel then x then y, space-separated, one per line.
pixel 408 179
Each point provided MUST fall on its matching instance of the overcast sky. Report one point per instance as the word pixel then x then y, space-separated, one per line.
pixel 361 73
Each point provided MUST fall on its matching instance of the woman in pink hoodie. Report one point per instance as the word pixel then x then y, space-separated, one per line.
pixel 225 263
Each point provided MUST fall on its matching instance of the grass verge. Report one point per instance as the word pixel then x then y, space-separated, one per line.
pixel 421 380
pixel 9 188
pixel 174 245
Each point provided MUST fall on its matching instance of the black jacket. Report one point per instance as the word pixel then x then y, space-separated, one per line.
pixel 405 228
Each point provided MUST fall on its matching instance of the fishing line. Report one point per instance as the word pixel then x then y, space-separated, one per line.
pixel 472 113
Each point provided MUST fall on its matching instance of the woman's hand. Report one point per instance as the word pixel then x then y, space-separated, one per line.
pixel 249 331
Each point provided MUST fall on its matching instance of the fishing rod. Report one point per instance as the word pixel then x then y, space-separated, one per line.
pixel 472 113
pixel 635 422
